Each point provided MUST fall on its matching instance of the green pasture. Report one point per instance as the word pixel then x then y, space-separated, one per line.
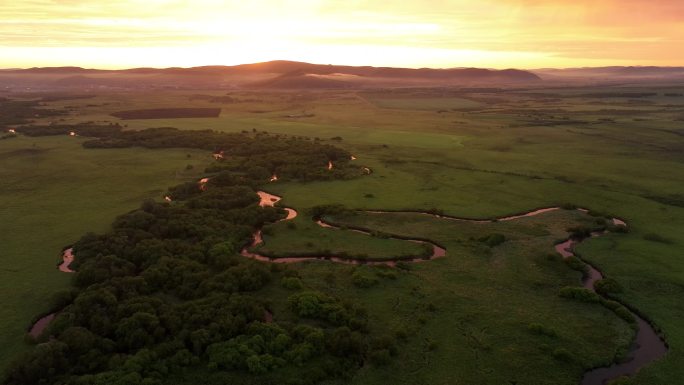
pixel 52 192
pixel 424 103
pixel 499 157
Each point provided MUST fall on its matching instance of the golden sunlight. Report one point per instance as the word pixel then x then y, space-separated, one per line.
pixel 452 33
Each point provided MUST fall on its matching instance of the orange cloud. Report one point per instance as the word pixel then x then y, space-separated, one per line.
pixel 444 33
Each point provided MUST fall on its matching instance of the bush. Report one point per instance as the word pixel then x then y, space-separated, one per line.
pixel 404 266
pixel 292 283
pixel 319 211
pixel 580 294
pixel 596 213
pixel 540 329
pixel 360 279
pixel 493 240
pixel 576 264
pixel 619 310
pixel 386 273
pixel 607 286
pixel 562 354
pixel 579 232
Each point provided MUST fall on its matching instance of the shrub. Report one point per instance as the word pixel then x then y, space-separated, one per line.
pixel 404 266
pixel 292 283
pixel 540 329
pixel 307 304
pixel 596 213
pixel 562 354
pixel 493 240
pixel 319 211
pixel 386 273
pixel 362 280
pixel 580 294
pixel 619 310
pixel 579 232
pixel 576 264
pixel 607 286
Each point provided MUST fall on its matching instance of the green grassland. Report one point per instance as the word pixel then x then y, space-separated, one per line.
pixel 507 153
pixel 470 315
pixel 306 238
pixel 52 192
pixel 431 103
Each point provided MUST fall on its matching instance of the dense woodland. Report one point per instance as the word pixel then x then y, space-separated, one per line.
pixel 257 154
pixel 254 153
pixel 14 112
pixel 165 294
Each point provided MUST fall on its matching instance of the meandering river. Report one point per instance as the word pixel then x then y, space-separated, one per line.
pixel 647 347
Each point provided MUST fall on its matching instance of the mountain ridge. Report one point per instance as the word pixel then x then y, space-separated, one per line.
pixel 285 66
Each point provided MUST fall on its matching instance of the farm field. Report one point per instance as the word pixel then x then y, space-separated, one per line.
pixel 471 154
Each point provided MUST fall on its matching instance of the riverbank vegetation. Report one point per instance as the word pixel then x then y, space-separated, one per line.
pixel 166 290
pixel 167 287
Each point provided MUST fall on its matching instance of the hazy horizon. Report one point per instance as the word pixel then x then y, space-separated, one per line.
pixel 334 64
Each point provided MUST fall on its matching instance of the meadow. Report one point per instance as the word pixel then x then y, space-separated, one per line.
pixel 52 192
pixel 474 154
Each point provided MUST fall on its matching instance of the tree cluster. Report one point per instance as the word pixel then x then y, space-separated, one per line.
pixel 257 154
pixel 15 112
pixel 166 292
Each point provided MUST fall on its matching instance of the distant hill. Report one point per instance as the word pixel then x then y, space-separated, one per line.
pixel 273 74
pixel 56 70
pixel 616 73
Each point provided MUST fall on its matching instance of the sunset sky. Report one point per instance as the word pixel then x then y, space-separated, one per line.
pixel 408 33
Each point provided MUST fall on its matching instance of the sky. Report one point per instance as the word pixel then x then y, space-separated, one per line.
pixel 406 33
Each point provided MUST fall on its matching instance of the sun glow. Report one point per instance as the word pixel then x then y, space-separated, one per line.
pixel 453 33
